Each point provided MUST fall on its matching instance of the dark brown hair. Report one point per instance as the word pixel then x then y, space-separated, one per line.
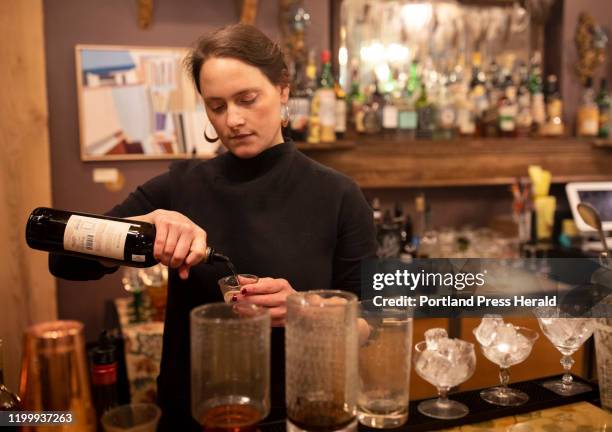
pixel 242 42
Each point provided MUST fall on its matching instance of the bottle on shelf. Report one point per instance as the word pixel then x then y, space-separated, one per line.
pixel 326 99
pixel 390 116
pixel 120 241
pixel 356 101
pixel 554 109
pixel 426 114
pixel 485 117
pixel 406 115
pixel 447 115
pixel 538 109
pixel 587 124
pixel 104 375
pixel 299 104
pixel 9 401
pixel 603 105
pixel 314 124
pixel 340 113
pixel 524 118
pixel 508 108
pixel 376 211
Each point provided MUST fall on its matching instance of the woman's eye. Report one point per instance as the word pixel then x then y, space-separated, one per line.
pixel 217 108
pixel 249 100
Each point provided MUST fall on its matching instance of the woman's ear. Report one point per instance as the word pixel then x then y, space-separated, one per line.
pixel 284 94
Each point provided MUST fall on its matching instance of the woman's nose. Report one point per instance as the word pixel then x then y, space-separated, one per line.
pixel 234 118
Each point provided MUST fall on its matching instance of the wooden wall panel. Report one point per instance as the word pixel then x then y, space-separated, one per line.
pixel 27 290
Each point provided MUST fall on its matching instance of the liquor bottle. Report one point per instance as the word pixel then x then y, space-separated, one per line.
pixel 389 116
pixel 538 109
pixel 508 109
pixel 314 124
pixel 104 375
pixel 121 241
pixel 588 113
pixel 299 104
pixel 447 115
pixel 327 99
pixel 356 101
pixel 478 95
pixel 376 211
pixel 554 108
pixel 603 104
pixel 9 401
pixel 406 115
pixel 340 113
pixel 524 118
pixel 426 115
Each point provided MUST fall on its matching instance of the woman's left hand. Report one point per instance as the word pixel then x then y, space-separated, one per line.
pixel 270 293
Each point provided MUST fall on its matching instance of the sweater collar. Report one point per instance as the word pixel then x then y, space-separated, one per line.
pixel 238 169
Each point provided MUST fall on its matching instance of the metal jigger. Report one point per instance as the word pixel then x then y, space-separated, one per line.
pixel 54 374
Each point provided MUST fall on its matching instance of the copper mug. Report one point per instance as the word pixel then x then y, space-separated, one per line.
pixel 55 376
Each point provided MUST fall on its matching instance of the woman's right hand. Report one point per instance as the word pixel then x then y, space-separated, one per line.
pixel 179 243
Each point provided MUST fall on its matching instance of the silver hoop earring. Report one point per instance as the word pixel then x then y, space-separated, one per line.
pixel 209 139
pixel 285 117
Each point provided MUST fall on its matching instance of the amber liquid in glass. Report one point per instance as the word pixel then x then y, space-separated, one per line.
pixel 321 417
pixel 231 418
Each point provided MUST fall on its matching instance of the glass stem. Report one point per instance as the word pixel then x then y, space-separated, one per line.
pixel 443 395
pixel 504 379
pixel 567 362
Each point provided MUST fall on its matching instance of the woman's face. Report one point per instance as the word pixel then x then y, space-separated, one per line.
pixel 242 105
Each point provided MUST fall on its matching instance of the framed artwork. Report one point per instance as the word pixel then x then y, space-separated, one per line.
pixel 138 103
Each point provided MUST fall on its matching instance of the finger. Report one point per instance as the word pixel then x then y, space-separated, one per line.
pixel 183 271
pixel 265 300
pixel 170 245
pixel 181 250
pixel 197 251
pixel 247 279
pixel 278 313
pixel 278 323
pixel 264 286
pixel 161 233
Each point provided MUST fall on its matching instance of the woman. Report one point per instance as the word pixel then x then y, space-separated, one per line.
pixel 293 222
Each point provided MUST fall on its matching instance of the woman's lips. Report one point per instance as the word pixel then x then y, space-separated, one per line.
pixel 240 137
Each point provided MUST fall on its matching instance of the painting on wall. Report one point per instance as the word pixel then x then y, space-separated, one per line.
pixel 138 103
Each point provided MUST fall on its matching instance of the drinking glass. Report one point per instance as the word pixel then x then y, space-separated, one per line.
pixel 230 286
pixel 505 345
pixel 567 335
pixel 55 375
pixel 131 418
pixel 230 365
pixel 385 351
pixel 444 363
pixel 155 280
pixel 321 361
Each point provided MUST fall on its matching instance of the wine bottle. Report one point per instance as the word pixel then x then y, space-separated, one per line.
pixel 121 241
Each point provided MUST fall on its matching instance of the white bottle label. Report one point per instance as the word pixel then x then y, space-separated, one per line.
pixel 101 237
pixel 389 116
pixel 327 108
pixel 340 115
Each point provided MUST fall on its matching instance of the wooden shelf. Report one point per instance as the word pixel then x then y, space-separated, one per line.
pixel 395 163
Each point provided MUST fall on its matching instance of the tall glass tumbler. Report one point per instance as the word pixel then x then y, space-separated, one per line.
pixel 54 373
pixel 321 361
pixel 385 352
pixel 230 365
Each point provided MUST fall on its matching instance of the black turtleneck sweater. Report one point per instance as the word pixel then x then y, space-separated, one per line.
pixel 278 215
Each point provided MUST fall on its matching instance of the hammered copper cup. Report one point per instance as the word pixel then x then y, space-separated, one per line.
pixel 54 373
